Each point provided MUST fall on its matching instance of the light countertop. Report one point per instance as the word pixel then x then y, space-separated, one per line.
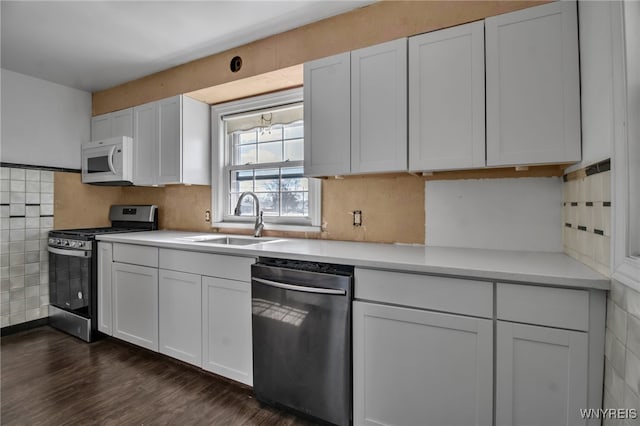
pixel 498 265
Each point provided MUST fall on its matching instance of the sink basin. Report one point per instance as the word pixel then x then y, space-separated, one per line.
pixel 229 241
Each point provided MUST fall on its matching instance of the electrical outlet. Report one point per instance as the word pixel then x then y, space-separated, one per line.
pixel 207 216
pixel 357 218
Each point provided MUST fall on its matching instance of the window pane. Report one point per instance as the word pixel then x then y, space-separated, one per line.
pixel 294 150
pixel 270 134
pixel 241 180
pixel 269 203
pixel 295 131
pixel 247 137
pixel 267 180
pixel 270 152
pixel 295 203
pixel 293 180
pixel 245 154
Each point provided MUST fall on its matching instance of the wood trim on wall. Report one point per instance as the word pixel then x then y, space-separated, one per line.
pixel 376 23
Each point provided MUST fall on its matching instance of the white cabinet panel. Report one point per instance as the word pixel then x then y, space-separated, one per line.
pixel 446 99
pixel 135 254
pixel 421 368
pixel 454 295
pixel 118 123
pixel 166 135
pixel 533 86
pixel 379 108
pixel 101 127
pixel 226 329
pixel 169 138
pixel 214 265
pixel 541 375
pixel 553 307
pixel 145 144
pixel 105 297
pixel 180 319
pixel 135 304
pixel 327 122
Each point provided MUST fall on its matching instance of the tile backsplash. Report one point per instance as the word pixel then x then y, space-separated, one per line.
pixel 587 216
pixel 622 349
pixel 26 216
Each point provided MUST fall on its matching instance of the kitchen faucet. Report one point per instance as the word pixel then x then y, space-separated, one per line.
pixel 259 224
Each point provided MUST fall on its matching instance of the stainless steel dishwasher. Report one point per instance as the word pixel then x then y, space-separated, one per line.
pixel 302 337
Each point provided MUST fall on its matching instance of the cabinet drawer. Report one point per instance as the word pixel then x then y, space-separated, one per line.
pixel 553 307
pixel 454 295
pixel 137 255
pixel 213 265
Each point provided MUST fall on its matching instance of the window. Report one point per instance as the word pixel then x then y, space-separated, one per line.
pixel 259 148
pixel 626 154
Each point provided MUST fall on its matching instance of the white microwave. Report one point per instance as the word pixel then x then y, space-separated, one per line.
pixel 108 161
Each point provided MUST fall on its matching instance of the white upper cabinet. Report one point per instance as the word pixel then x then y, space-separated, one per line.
pixel 379 108
pixel 446 99
pixel 533 86
pixel 355 111
pixel 172 142
pixel 327 122
pixel 118 123
pixel 144 144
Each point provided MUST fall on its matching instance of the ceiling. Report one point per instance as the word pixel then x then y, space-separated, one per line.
pixel 95 45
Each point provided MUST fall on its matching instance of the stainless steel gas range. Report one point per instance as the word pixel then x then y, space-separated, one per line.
pixel 73 269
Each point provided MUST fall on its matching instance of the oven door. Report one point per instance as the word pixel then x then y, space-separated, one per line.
pixel 69 279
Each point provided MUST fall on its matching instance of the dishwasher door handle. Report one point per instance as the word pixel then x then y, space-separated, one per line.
pixel 304 289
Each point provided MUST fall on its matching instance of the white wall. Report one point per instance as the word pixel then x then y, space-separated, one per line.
pixel 504 214
pixel 596 80
pixel 43 123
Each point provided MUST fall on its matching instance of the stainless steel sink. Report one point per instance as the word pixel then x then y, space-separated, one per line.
pixel 229 241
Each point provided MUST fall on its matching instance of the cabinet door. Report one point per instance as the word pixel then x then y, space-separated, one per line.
pixel 226 329
pixel 145 123
pixel 101 127
pixel 122 123
pixel 135 304
pixel 533 86
pixel 379 108
pixel 179 315
pixel 446 99
pixel 541 375
pixel 105 261
pixel 327 122
pixel 414 367
pixel 170 140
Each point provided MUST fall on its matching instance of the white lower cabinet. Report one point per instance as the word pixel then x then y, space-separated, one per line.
pixel 226 328
pixel 105 263
pixel 180 318
pixel 414 367
pixel 135 304
pixel 541 375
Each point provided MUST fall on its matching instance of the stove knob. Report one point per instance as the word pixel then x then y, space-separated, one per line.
pixel 52 240
pixel 73 243
pixel 66 243
pixel 58 241
pixel 81 244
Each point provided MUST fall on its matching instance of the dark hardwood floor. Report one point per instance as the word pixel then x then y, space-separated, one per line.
pixel 50 378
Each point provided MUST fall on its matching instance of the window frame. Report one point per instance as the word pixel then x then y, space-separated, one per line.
pixel 626 158
pixel 220 180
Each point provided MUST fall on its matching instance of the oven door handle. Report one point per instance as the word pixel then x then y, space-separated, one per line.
pixel 304 289
pixel 75 253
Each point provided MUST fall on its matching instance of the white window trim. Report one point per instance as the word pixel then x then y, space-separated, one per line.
pixel 219 181
pixel 625 268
